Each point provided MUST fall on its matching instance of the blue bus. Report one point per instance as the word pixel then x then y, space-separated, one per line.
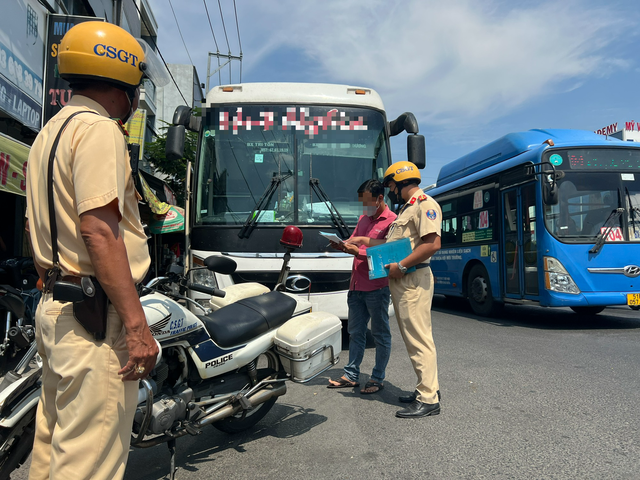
pixel 544 217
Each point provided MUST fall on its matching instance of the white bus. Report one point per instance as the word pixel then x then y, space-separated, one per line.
pixel 278 154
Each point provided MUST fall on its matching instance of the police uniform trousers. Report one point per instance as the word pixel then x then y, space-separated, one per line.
pixel 85 412
pixel 412 295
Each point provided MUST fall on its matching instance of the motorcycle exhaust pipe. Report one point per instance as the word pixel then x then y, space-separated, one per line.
pixel 256 399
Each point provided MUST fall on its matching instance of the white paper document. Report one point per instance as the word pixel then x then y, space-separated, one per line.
pixel 331 236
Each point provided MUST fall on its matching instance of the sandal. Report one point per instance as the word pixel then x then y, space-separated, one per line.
pixel 372 384
pixel 343 383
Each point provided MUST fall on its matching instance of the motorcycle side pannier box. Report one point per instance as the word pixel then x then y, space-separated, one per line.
pixel 309 344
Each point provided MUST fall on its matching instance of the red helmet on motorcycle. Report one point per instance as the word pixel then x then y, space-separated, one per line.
pixel 291 237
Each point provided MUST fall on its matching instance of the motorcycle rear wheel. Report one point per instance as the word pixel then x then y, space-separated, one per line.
pixel 269 363
pixel 16 443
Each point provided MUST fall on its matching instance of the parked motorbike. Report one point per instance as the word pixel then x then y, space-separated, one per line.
pixel 226 368
pixel 18 298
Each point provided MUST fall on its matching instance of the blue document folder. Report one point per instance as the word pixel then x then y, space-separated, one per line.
pixel 387 253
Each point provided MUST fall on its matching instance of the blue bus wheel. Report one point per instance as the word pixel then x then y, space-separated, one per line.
pixel 480 294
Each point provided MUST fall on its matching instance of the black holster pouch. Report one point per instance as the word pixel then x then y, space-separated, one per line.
pixel 90 304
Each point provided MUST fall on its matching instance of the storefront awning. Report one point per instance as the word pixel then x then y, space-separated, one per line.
pixel 165 218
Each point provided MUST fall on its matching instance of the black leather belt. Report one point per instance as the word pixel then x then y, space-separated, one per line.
pixel 72 279
pixel 78 281
pixel 421 265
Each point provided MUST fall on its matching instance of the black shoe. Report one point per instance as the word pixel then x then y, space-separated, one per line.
pixel 419 409
pixel 412 397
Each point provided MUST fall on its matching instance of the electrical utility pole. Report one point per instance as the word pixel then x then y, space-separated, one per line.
pixel 219 56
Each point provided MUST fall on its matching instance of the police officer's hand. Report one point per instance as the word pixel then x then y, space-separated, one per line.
pixel 394 271
pixel 143 351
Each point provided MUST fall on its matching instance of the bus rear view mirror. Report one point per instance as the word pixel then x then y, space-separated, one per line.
pixel 550 189
pixel 174 148
pixel 416 151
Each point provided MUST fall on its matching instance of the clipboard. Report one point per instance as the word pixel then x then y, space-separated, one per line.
pixel 332 237
pixel 387 253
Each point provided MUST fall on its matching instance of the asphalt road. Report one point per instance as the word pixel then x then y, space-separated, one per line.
pixel 535 393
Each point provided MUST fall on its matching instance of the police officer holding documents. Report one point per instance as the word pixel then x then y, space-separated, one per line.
pixel 420 220
pixel 86 235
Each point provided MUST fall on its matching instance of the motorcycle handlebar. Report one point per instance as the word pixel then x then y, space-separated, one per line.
pixel 216 292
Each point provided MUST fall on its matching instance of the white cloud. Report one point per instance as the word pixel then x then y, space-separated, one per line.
pixel 441 60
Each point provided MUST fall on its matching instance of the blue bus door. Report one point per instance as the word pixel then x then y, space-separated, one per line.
pixel 519 243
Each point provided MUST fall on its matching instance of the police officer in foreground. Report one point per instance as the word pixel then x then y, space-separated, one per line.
pixel 89 377
pixel 420 219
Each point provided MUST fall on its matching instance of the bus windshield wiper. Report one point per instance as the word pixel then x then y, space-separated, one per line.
pixel 608 226
pixel 333 211
pixel 252 219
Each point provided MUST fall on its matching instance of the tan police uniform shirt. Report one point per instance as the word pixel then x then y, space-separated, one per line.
pixel 91 169
pixel 420 216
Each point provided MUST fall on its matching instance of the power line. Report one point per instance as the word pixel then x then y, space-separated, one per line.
pixel 210 25
pixel 237 27
pixel 214 41
pixel 155 45
pixel 224 27
pixel 180 32
pixel 239 43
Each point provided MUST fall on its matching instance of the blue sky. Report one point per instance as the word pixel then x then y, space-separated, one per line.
pixel 471 71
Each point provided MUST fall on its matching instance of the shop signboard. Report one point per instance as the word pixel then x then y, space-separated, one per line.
pixel 56 90
pixel 136 127
pixel 13 166
pixel 22 27
pixel 18 105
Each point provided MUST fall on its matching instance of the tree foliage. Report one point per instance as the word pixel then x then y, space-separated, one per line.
pixel 175 170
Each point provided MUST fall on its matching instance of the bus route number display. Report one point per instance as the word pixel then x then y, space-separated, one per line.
pixel 603 159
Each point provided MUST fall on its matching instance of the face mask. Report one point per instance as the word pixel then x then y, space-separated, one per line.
pixel 369 210
pixel 394 197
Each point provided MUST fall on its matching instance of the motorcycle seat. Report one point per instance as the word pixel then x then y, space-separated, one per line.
pixel 12 302
pixel 248 318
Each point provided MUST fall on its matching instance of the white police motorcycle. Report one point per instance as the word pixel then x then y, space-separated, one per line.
pixel 225 368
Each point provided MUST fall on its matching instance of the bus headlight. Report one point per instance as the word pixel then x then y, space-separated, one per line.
pixel 556 277
pixel 204 277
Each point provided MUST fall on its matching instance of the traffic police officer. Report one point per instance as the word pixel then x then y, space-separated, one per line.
pixel 420 220
pixel 86 410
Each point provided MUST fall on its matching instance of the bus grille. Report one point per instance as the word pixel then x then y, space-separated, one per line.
pixel 321 282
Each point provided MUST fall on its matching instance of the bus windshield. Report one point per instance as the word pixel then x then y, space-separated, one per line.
pixel 589 198
pixel 256 152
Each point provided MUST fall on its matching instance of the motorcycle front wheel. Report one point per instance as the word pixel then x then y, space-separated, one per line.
pixel 16 443
pixel 268 365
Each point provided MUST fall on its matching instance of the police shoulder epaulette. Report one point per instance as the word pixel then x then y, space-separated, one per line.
pixel 422 197
pixel 122 128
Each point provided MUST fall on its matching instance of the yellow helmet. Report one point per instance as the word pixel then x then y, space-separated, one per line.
pixel 101 51
pixel 400 172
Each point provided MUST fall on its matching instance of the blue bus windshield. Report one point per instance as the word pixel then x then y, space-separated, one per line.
pixel 588 195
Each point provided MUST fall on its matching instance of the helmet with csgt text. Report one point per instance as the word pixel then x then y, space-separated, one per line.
pixel 101 51
pixel 401 172
pixel 291 237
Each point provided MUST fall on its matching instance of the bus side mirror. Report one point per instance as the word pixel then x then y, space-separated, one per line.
pixel 550 189
pixel 416 151
pixel 184 116
pixel 174 148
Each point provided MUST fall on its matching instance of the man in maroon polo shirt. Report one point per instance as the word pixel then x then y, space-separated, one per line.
pixel 367 299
